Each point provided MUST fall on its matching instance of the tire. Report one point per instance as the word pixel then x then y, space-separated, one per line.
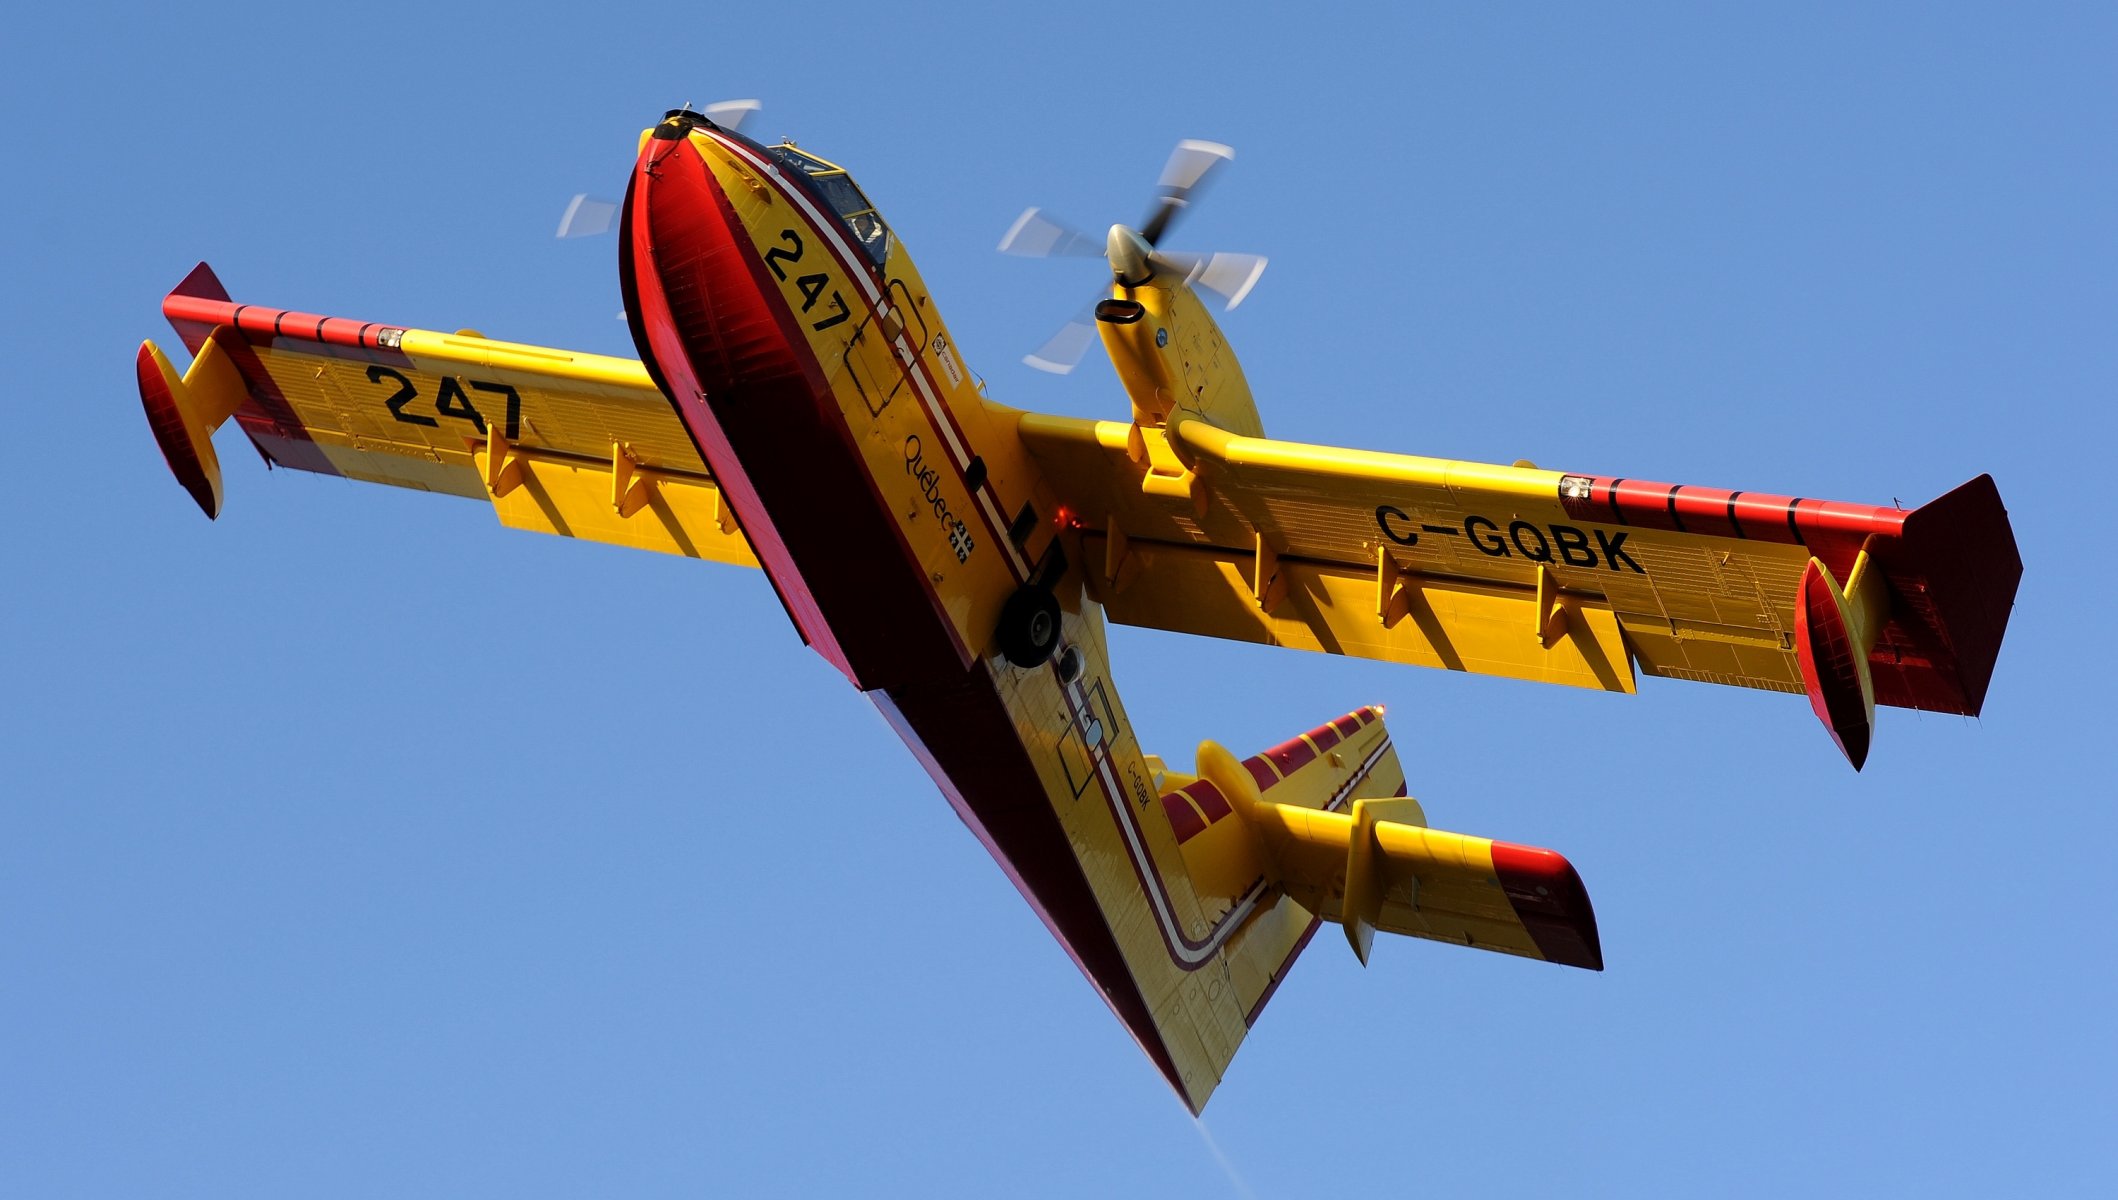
pixel 1029 626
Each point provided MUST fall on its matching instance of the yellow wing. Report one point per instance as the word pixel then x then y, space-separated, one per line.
pixel 573 444
pixel 1536 574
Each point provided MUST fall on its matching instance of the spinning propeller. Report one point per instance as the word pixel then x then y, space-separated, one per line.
pixel 1134 255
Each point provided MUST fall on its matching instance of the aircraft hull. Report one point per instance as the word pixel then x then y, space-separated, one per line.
pixel 723 346
pixel 715 330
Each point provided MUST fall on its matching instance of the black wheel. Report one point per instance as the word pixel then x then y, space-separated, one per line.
pixel 1029 626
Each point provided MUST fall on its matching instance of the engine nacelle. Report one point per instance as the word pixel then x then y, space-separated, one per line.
pixel 1167 347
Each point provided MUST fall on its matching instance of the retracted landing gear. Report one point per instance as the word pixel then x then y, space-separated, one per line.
pixel 1029 626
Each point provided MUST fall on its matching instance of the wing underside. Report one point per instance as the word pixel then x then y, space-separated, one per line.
pixel 574 444
pixel 1515 571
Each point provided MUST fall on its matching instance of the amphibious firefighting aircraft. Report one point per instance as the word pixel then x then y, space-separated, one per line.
pixel 800 406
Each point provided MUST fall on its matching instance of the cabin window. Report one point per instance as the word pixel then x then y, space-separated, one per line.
pixel 844 198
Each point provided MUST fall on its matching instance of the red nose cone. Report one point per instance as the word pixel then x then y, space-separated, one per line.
pixel 715 326
pixel 705 309
pixel 708 326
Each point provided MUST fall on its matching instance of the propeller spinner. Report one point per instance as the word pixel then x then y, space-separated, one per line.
pixel 1134 255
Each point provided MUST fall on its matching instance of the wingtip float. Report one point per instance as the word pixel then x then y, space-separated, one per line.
pixel 1924 603
pixel 803 407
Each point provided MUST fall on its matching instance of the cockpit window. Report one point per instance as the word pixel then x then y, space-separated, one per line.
pixel 807 163
pixel 845 199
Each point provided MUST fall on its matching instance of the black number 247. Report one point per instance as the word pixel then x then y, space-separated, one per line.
pixel 450 401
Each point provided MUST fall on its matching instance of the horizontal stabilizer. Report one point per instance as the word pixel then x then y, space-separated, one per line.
pixel 1375 865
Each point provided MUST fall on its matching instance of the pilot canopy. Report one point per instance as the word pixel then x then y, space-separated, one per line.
pixel 845 198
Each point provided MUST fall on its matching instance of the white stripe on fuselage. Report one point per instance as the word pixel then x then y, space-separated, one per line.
pixel 922 379
pixel 1185 951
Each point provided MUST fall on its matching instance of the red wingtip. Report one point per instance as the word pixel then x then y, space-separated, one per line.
pixel 201 288
pixel 202 283
pixel 1956 566
pixel 1551 903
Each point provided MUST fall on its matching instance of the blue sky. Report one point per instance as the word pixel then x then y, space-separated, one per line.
pixel 355 846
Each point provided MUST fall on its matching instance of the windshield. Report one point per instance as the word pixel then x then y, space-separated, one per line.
pixel 844 197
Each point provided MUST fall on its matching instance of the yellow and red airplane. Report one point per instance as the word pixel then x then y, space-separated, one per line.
pixel 800 406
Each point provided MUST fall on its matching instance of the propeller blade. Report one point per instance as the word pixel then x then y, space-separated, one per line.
pixel 587 216
pixel 1229 276
pixel 1066 348
pixel 1190 161
pixel 730 114
pixel 1131 252
pixel 1188 166
pixel 1036 234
